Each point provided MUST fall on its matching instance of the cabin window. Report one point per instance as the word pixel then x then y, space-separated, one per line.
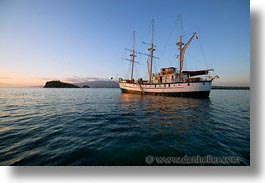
pixel 209 83
pixel 203 83
pixel 165 85
pixel 188 84
pixel 168 85
pixel 155 86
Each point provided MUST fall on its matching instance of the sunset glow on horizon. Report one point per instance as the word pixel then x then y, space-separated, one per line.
pixel 77 40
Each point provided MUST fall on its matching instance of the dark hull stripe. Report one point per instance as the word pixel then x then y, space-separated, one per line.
pixel 200 94
pixel 209 82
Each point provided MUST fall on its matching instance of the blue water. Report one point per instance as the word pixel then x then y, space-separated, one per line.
pixel 104 127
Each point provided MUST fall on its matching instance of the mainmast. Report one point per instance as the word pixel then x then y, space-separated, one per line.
pixel 151 50
pixel 132 55
pixel 182 48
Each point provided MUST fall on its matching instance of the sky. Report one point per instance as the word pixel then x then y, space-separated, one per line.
pixel 77 40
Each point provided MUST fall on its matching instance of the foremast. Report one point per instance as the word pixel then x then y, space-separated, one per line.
pixel 132 55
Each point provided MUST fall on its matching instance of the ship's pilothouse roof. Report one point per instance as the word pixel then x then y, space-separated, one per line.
pixel 167 73
pixel 168 68
pixel 197 72
pixel 172 70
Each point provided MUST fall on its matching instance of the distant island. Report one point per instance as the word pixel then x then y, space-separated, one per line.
pixel 98 84
pixel 113 84
pixel 59 84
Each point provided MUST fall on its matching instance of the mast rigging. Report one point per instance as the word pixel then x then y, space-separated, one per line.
pixel 182 49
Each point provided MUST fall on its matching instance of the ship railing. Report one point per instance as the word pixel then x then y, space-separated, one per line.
pixel 201 78
pixel 206 78
pixel 121 80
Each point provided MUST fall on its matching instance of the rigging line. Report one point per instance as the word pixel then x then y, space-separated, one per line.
pixel 188 61
pixel 155 67
pixel 167 40
pixel 148 66
pixel 126 68
pixel 204 57
pixel 144 36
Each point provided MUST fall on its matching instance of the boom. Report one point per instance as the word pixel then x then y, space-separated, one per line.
pixel 183 49
pixel 188 43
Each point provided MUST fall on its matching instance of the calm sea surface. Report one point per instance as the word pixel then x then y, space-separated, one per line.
pixel 104 127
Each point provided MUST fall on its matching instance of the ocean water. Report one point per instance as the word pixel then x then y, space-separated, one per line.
pixel 104 127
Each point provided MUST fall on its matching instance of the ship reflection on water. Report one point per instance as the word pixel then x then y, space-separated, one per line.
pixel 179 114
pixel 187 126
pixel 73 127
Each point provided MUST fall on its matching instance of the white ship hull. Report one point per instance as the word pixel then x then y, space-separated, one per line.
pixel 199 89
pixel 169 81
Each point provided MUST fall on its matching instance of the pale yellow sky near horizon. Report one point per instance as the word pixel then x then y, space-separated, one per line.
pixel 11 79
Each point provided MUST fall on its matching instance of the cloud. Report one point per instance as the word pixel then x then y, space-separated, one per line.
pixel 18 80
pixel 76 79
pixel 4 77
pixel 25 80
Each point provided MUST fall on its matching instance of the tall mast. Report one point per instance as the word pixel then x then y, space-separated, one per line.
pixel 133 55
pixel 182 48
pixel 151 50
pixel 180 44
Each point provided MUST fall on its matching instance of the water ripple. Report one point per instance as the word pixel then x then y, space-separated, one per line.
pixel 104 127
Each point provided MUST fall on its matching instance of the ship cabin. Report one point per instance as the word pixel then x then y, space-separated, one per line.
pixel 166 75
pixel 171 75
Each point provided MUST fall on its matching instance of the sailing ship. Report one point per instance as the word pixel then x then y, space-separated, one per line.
pixel 169 81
